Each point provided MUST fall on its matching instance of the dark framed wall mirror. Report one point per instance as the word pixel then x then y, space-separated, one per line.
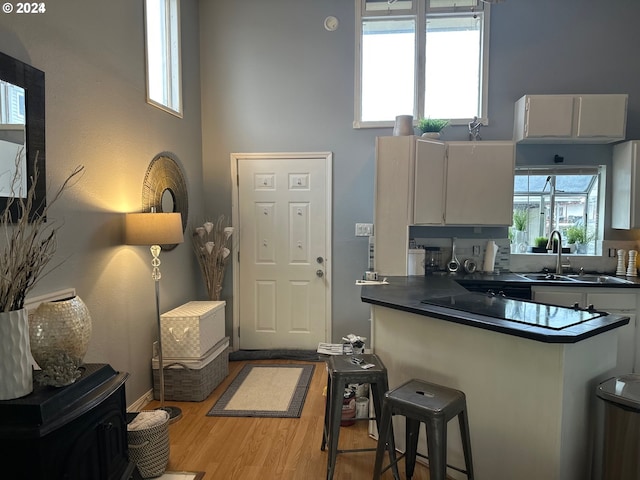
pixel 21 130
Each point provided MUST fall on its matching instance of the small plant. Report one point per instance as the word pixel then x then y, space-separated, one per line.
pixel 431 124
pixel 541 242
pixel 520 219
pixel 577 234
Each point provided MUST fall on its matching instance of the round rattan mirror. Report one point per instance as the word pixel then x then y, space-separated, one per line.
pixel 164 189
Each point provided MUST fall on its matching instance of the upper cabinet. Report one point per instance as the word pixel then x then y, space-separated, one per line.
pixel 570 118
pixel 463 183
pixel 625 213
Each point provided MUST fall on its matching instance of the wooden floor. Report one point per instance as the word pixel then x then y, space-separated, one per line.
pixel 268 448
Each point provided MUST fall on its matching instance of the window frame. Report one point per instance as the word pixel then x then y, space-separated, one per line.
pixel 598 171
pixel 418 12
pixel 171 61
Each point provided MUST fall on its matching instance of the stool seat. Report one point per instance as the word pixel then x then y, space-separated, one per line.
pixel 434 405
pixel 341 371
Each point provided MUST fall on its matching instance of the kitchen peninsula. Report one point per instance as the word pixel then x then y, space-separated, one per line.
pixel 530 388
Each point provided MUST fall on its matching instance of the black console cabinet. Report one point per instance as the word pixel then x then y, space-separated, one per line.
pixel 77 432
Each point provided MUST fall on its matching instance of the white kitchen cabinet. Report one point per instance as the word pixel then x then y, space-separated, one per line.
pixel 463 183
pixel 393 208
pixel 625 182
pixel 616 301
pixel 600 118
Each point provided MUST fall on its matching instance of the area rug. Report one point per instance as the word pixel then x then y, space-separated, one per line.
pixel 181 476
pixel 277 391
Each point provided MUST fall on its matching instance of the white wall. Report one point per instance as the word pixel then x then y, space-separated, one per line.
pixel 92 53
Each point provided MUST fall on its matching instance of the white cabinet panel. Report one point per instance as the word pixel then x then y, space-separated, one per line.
pixel 429 183
pixel 393 209
pixel 464 183
pixel 615 301
pixel 625 181
pixel 570 118
pixel 479 183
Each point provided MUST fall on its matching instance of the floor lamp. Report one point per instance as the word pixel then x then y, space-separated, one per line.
pixel 155 229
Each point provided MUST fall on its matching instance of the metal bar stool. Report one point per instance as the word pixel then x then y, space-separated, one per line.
pixel 342 370
pixel 433 405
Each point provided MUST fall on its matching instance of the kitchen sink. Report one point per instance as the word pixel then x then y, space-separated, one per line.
pixel 546 277
pixel 589 278
pixel 577 278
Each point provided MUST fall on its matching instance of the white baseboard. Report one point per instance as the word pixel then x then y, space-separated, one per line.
pixel 139 404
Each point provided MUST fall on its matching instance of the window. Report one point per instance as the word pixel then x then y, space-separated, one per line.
pixel 424 58
pixel 563 199
pixel 162 28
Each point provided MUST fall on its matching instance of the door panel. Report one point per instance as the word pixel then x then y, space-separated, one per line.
pixel 283 222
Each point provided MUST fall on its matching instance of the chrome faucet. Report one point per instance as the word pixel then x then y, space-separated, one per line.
pixel 550 247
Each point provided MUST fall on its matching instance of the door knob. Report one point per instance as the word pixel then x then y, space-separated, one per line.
pixel 319 259
pixel 319 273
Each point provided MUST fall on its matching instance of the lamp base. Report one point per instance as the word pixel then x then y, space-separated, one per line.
pixel 175 413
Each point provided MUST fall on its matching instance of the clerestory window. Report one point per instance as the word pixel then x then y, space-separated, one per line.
pixel 426 58
pixel 564 199
pixel 162 35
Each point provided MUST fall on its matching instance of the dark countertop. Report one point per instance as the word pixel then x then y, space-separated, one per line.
pixel 407 293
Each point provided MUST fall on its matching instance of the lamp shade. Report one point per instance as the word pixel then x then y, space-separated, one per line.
pixel 153 228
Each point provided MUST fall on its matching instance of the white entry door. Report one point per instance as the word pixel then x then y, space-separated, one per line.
pixel 282 272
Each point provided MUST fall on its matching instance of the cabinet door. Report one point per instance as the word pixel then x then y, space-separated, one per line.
pixel 393 203
pixel 557 296
pixel 428 206
pixel 548 116
pixel 625 304
pixel 624 214
pixel 601 116
pixel 479 186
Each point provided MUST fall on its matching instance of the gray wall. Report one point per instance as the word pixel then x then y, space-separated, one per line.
pixel 92 53
pixel 274 80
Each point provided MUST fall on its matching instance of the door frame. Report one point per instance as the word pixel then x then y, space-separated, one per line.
pixel 235 180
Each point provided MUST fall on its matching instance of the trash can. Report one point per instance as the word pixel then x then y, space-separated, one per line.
pixel 621 455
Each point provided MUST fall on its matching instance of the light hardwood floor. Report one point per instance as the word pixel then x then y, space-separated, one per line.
pixel 268 448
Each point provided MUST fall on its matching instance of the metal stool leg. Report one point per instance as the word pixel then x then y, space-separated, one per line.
pixel 380 389
pixel 466 443
pixel 437 447
pixel 411 435
pixel 335 414
pixel 327 412
pixel 384 430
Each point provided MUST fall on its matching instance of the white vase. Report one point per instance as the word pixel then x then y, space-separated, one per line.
pixel 60 332
pixel 16 371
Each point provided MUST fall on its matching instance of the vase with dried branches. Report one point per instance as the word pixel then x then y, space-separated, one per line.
pixel 28 246
pixel 212 247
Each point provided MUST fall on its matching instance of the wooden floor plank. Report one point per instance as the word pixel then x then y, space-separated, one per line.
pixel 268 448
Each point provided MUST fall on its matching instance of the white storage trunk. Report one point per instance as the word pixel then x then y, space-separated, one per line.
pixel 191 330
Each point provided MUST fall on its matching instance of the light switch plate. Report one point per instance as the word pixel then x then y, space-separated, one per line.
pixel 364 229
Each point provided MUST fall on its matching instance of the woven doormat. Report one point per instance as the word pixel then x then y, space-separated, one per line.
pixel 277 391
pixel 181 476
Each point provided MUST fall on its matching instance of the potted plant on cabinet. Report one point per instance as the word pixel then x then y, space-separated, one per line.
pixel 431 127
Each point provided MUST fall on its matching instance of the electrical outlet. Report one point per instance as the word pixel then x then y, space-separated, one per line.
pixel 364 229
pixel 476 250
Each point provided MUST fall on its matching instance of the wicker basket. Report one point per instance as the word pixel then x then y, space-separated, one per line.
pixel 149 447
pixel 193 380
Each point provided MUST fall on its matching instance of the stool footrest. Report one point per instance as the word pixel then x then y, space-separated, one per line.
pixel 452 467
pixel 356 450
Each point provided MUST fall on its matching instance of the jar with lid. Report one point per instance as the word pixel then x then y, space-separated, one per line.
pixel 431 260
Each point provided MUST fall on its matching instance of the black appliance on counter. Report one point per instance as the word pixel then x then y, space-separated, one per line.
pixel 516 310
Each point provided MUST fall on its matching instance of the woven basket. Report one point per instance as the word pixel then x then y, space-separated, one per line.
pixel 149 449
